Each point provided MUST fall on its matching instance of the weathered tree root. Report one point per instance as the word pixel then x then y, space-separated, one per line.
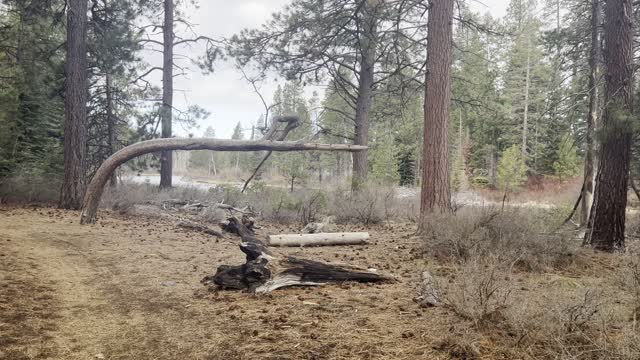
pixel 265 271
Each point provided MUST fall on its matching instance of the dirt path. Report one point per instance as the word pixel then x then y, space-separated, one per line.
pixel 129 289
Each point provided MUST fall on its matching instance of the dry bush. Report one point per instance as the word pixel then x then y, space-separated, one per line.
pixel 480 290
pixel 518 235
pixel 580 325
pixel 29 187
pixel 370 205
pixel 126 195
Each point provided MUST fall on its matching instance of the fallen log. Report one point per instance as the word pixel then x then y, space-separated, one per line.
pixel 318 239
pixel 265 271
pixel 103 174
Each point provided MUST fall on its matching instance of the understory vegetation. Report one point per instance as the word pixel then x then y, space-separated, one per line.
pixel 523 288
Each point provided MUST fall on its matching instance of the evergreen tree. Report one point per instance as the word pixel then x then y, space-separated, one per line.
pixel 567 162
pixel 512 170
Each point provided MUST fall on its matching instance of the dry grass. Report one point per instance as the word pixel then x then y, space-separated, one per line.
pixel 373 205
pixel 531 295
pixel 525 238
pixel 30 187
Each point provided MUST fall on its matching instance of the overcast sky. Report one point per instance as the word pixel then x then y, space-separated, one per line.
pixel 225 94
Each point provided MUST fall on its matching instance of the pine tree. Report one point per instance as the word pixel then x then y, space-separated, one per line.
pixel 568 162
pixel 512 170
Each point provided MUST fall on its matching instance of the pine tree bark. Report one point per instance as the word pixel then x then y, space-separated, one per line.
pixel 76 88
pixel 595 56
pixel 166 158
pixel 525 119
pixel 111 126
pixel 607 219
pixel 435 192
pixel 365 92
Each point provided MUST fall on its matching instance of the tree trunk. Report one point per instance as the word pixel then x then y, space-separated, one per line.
pixel 166 161
pixel 75 101
pixel 94 191
pixel 368 43
pixel 111 126
pixel 525 120
pixel 435 192
pixel 607 219
pixel 595 56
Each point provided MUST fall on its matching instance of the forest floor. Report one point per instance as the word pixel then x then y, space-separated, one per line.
pixel 129 288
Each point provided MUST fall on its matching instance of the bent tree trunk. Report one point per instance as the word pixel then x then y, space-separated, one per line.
pixel 94 191
pixel 607 219
pixel 265 271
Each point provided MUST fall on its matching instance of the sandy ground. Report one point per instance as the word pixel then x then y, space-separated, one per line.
pixel 128 288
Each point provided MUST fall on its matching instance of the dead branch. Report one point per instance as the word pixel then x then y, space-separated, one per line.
pixel 292 123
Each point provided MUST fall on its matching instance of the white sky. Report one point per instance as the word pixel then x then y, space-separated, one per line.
pixel 225 93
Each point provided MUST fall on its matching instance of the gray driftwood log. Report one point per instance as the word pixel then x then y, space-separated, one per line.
pixel 265 271
pixel 319 239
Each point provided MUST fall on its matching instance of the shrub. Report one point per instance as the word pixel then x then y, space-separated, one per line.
pixel 366 206
pixel 32 185
pixel 480 290
pixel 514 235
pixel 512 170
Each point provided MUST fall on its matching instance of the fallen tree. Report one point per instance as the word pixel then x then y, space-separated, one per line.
pixel 102 175
pixel 265 271
pixel 318 239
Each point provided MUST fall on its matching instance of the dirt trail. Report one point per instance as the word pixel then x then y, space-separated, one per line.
pixel 129 288
pixel 70 280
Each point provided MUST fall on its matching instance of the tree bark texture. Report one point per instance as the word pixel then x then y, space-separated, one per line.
pixel 75 102
pixel 111 126
pixel 435 192
pixel 595 58
pixel 166 158
pixel 368 43
pixel 94 191
pixel 607 219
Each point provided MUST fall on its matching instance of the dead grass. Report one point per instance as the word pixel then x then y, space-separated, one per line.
pixel 525 238
pixel 531 295
pixel 373 205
